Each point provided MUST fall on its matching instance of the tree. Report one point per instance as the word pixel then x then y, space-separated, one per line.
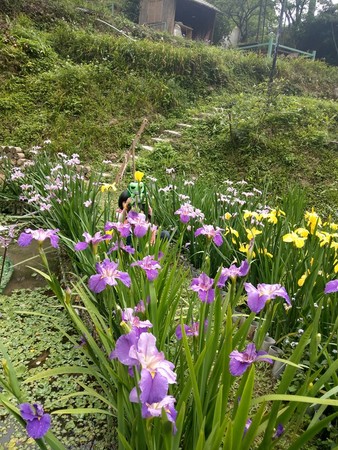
pixel 320 33
pixel 250 16
pixel 296 11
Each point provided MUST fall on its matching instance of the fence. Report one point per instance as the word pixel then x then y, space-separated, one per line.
pixel 271 47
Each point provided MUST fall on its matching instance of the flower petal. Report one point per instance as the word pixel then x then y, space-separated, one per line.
pixel 38 427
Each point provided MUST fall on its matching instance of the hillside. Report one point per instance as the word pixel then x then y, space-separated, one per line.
pixel 68 77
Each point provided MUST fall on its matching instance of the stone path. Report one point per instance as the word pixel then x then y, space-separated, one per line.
pixel 173 135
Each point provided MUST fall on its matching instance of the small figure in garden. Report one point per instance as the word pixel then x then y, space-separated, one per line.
pixel 135 209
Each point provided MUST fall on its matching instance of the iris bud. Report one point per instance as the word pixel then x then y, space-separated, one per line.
pixel 5 367
pixel 126 328
pixel 68 293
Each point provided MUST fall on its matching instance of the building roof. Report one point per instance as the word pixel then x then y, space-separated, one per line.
pixel 206 4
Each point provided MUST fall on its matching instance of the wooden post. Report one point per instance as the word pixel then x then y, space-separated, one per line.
pixel 131 152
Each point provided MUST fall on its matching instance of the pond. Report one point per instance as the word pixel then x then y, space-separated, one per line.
pixel 23 260
pixel 35 342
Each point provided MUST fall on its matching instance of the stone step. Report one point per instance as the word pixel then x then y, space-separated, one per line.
pixel 184 125
pixel 158 139
pixel 149 148
pixel 173 133
pixel 205 114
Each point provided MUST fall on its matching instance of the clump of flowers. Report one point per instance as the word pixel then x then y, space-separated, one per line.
pixel 138 350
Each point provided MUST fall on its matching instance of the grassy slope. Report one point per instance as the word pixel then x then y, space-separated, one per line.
pixel 67 77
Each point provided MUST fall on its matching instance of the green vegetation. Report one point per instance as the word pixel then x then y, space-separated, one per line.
pixel 69 78
pixel 31 354
pixel 289 142
pixel 201 317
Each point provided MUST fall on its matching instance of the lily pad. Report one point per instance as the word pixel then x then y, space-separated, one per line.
pixel 6 274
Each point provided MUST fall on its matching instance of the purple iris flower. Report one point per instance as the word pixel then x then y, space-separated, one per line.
pixel 211 233
pixel 203 285
pixel 240 361
pixel 38 423
pixel 155 410
pixel 257 297
pixel 140 307
pixel 121 246
pixel 149 265
pixel 331 286
pixel 279 431
pixel 153 388
pixel 107 273
pixel 122 228
pixel 233 272
pixel 186 212
pixel 139 221
pixel 192 330
pixel 82 343
pixel 189 331
pixel 89 239
pixel 247 425
pixel 123 346
pixel 139 349
pixel 39 235
pixel 151 359
pixel 134 321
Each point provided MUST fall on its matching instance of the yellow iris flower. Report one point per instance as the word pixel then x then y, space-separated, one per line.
pixel 273 215
pixel 264 251
pixel 108 187
pixel 248 214
pixel 138 176
pixel 252 233
pixel 313 220
pixel 296 239
pixel 247 248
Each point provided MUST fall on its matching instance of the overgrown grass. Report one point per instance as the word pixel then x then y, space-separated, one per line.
pixel 68 78
pixel 273 145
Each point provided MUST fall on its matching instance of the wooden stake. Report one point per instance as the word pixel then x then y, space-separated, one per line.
pixel 131 152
